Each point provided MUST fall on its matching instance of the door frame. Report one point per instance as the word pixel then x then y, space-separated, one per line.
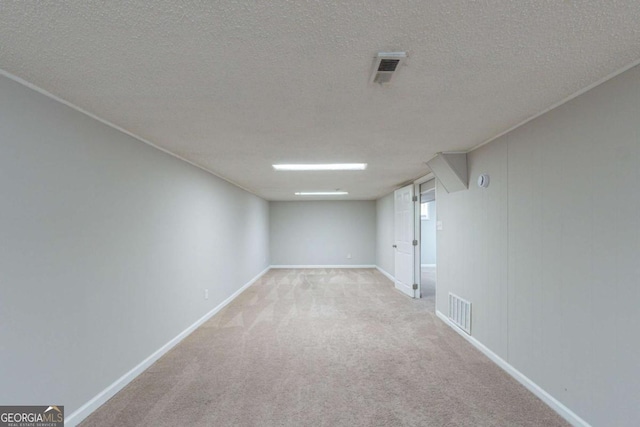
pixel 417 274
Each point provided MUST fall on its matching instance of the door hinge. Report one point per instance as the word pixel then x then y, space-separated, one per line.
pixel 415 243
pixel 415 198
pixel 415 286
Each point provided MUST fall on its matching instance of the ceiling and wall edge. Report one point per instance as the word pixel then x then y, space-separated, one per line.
pixel 146 141
pixel 116 127
pixel 559 103
pixel 546 110
pixel 527 120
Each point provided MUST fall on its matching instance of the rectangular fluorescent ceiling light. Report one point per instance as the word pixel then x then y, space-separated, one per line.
pixel 322 167
pixel 322 193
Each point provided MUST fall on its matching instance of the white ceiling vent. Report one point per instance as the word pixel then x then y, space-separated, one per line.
pixel 386 66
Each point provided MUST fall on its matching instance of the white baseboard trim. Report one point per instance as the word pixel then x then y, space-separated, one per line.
pixel 85 410
pixel 324 266
pixel 389 276
pixel 534 388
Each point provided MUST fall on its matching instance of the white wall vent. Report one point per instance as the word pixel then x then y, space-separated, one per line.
pixel 460 312
pixel 385 66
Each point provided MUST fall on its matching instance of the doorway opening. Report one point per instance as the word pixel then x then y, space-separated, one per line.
pixel 428 239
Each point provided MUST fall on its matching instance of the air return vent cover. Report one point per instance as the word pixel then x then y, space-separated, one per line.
pixel 460 312
pixel 386 66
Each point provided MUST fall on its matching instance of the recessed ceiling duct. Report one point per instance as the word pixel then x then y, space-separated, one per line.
pixel 451 170
pixel 385 66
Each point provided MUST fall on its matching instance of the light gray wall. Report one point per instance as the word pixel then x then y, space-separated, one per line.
pixel 385 255
pixel 322 232
pixel 548 254
pixel 428 237
pixel 107 247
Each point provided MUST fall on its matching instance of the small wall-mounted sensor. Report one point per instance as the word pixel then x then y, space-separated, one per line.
pixel 483 180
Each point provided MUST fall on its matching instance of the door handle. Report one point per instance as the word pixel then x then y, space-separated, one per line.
pixel 395 246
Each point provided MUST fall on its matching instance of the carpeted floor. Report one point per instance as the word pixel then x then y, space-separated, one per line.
pixel 324 348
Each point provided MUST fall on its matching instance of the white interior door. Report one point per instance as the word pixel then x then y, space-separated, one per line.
pixel 404 235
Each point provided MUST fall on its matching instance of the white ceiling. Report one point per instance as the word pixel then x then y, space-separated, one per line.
pixel 235 86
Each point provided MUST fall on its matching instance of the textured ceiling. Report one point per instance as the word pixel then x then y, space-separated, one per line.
pixel 235 86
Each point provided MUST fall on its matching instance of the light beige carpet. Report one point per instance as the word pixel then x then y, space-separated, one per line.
pixel 324 348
